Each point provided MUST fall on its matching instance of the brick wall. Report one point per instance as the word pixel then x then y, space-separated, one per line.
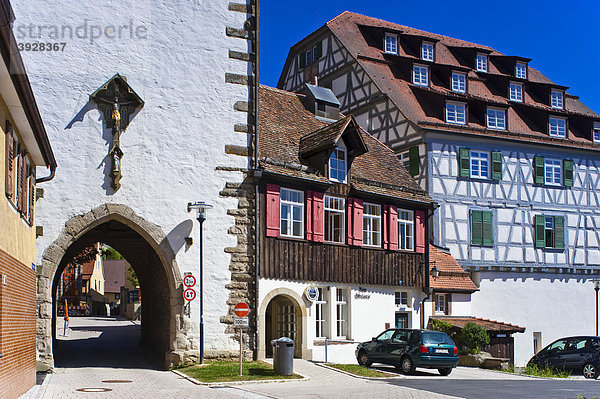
pixel 17 327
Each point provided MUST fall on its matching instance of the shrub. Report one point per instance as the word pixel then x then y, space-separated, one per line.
pixel 474 336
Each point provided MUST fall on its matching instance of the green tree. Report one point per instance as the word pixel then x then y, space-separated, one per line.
pixel 109 253
pixel 132 277
pixel 474 336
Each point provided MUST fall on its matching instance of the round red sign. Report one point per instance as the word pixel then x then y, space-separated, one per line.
pixel 189 294
pixel 241 309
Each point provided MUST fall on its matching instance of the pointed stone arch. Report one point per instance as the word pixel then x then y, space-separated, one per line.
pixel 179 345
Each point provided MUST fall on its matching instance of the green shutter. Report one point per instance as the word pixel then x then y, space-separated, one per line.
pixel 464 162
pixel 538 170
pixel 413 161
pixel 568 173
pixel 559 232
pixel 476 227
pixel 496 165
pixel 302 58
pixel 488 236
pixel 318 50
pixel 540 231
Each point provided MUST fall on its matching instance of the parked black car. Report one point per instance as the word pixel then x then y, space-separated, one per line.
pixel 578 354
pixel 407 349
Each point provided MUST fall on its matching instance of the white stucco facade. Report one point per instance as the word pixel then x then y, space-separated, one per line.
pixel 174 55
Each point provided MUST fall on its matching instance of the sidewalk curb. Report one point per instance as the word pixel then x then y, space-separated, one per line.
pixel 398 376
pixel 536 376
pixel 231 383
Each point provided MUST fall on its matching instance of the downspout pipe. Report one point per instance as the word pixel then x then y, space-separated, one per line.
pixel 427 289
pixel 256 177
pixel 49 177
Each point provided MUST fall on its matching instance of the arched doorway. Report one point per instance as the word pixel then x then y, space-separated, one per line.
pixel 146 248
pixel 282 314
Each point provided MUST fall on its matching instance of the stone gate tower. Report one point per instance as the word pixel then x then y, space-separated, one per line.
pixel 149 105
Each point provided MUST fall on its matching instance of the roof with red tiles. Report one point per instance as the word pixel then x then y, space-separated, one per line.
pixel 452 277
pixel 363 36
pixel 488 325
pixel 285 124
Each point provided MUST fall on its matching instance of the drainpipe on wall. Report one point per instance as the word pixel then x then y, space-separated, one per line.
pixel 256 175
pixel 427 290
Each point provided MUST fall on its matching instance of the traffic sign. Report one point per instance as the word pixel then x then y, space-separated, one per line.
pixel 241 322
pixel 241 309
pixel 189 281
pixel 189 294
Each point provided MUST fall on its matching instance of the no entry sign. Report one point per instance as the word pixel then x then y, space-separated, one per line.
pixel 189 294
pixel 241 309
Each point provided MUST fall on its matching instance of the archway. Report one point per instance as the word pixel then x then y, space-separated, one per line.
pixel 283 313
pixel 145 247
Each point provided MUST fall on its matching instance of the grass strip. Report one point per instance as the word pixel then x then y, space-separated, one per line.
pixel 360 370
pixel 229 371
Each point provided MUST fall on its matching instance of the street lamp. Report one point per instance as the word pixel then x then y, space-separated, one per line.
pixel 435 272
pixel 201 208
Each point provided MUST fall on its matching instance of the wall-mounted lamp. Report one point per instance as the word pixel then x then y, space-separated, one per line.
pixel 189 240
pixel 435 272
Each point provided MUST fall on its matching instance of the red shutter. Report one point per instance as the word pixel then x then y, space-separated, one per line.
pixel 350 224
pixel 309 215
pixel 272 210
pixel 393 228
pixel 357 222
pixel 31 194
pixel 9 164
pixel 318 217
pixel 386 227
pixel 420 231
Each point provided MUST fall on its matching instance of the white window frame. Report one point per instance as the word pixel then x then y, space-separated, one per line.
pixel 558 130
pixel 440 303
pixel 453 116
pixel 480 161
pixel 553 172
pixel 341 165
pixel 330 214
pixel 406 224
pixel 401 298
pixel 371 225
pixel 557 99
pixel 341 313
pixel 495 118
pixel 596 132
pixel 458 82
pixel 481 62
pixel 405 158
pixel 515 92
pixel 393 43
pixel 420 75
pixel 521 70
pixel 427 51
pixel 289 217
pixel 321 311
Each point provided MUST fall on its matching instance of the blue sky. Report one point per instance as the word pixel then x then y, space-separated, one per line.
pixel 561 37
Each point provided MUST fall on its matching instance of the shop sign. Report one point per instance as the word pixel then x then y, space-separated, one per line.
pixel 311 293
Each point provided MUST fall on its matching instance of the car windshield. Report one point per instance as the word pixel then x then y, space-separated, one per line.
pixel 385 335
pixel 433 337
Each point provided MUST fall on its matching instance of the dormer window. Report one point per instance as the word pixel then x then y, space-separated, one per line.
pixel 459 82
pixel 482 63
pixel 391 43
pixel 427 51
pixel 420 75
pixel 557 127
pixel 496 118
pixel 521 70
pixel 556 99
pixel 516 92
pixel 596 132
pixel 338 164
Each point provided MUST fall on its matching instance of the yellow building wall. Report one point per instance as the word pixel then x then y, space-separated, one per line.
pixel 17 237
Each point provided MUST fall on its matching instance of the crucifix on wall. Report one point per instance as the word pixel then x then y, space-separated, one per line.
pixel 118 102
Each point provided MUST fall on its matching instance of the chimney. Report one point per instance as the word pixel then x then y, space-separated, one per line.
pixel 315 80
pixel 322 102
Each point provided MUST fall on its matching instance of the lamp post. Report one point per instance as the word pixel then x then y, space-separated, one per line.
pixel 596 288
pixel 201 208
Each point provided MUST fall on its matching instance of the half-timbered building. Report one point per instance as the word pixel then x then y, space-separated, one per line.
pixel 510 156
pixel 342 228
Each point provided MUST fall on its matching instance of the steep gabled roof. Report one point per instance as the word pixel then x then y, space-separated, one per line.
pixel 452 278
pixel 328 136
pixel 285 122
pixel 362 37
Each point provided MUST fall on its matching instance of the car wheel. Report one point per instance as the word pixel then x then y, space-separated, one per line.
pixel 590 371
pixel 445 370
pixel 407 365
pixel 363 359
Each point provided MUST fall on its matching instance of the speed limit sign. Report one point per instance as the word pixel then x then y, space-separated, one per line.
pixel 189 281
pixel 189 294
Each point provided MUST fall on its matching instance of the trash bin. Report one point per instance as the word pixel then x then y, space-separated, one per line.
pixel 283 355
